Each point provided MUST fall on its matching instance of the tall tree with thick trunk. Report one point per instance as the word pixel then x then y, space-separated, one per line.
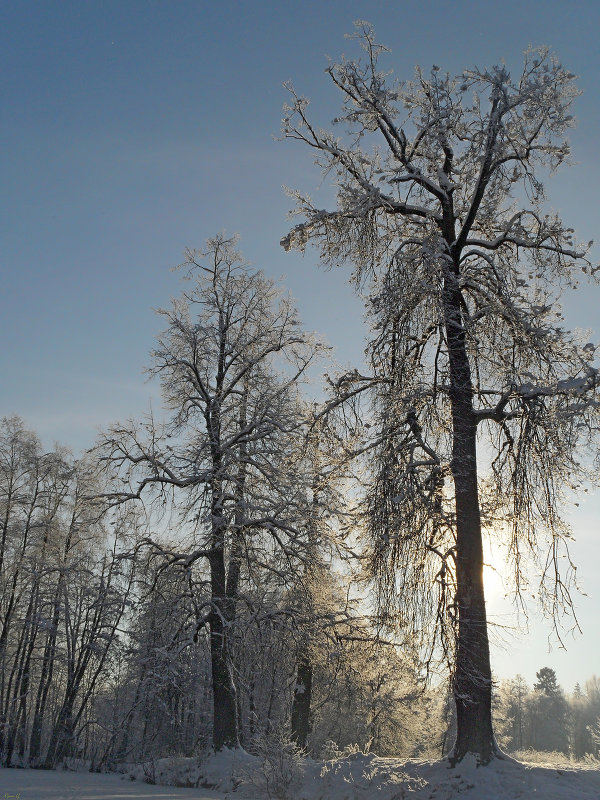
pixel 461 283
pixel 230 362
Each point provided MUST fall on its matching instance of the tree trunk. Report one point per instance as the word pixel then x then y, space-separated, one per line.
pixel 122 751
pixel 16 731
pixel 301 703
pixel 19 673
pixel 251 709
pixel 225 729
pixel 224 715
pixel 45 681
pixel 224 583
pixel 62 736
pixel 472 684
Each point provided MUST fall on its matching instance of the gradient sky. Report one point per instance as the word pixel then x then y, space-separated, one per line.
pixel 133 129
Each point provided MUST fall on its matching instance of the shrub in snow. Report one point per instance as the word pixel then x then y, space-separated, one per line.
pixel 353 775
pixel 278 771
pixel 546 757
pixel 224 771
pixel 182 772
pixel 330 750
pixel 149 770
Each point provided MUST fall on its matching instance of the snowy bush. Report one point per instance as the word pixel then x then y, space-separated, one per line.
pixel 182 772
pixel 279 769
pixel 224 771
pixel 149 771
pixel 331 752
pixel 554 758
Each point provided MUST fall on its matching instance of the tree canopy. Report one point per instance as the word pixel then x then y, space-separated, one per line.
pixel 440 211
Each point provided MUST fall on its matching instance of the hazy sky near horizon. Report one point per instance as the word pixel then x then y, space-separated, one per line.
pixel 131 130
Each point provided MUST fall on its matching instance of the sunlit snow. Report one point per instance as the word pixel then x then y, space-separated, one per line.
pixel 358 776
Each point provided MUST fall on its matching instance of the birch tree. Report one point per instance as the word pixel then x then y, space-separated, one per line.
pixel 441 211
pixel 229 361
pixel 63 592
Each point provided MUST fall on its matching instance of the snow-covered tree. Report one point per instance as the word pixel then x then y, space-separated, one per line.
pixel 548 714
pixel 585 713
pixel 510 714
pixel 160 701
pixel 440 208
pixel 230 362
pixel 63 593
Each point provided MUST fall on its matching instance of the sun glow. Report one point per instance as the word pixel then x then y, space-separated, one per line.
pixel 493 583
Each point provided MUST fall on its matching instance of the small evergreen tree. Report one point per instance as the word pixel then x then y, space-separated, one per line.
pixel 548 714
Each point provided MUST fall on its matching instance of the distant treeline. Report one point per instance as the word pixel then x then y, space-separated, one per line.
pixel 544 718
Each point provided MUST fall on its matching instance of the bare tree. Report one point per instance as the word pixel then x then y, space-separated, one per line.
pixel 326 521
pixel 160 702
pixel 93 586
pixel 229 362
pixel 63 591
pixel 440 208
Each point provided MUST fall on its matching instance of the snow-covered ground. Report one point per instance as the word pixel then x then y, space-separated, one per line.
pixel 39 784
pixel 353 777
pixel 363 777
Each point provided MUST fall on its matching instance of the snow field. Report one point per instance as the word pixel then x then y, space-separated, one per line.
pixel 238 776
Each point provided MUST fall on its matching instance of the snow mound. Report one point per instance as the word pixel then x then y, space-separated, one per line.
pixel 506 779
pixel 361 776
pixel 224 771
pixel 366 777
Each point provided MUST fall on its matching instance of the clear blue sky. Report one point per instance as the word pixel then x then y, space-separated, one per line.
pixel 133 129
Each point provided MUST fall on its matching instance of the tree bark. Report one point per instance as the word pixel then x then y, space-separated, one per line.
pixel 224 582
pixel 62 735
pixel 472 682
pixel 225 728
pixel 301 703
pixel 45 680
pixel 225 725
